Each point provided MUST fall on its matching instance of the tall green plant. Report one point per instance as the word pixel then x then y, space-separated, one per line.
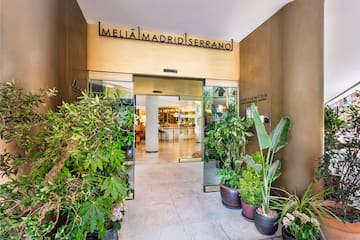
pixel 268 146
pixel 229 137
pixel 78 171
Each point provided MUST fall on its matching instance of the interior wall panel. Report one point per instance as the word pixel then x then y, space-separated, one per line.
pixel 283 59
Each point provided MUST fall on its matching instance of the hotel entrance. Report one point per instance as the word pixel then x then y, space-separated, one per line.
pixel 180 126
pixel 172 117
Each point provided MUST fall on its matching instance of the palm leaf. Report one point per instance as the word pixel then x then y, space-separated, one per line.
pixel 263 137
pixel 279 135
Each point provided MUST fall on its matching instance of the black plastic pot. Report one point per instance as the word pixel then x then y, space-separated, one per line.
pixel 265 224
pixel 230 197
pixel 110 235
pixel 286 235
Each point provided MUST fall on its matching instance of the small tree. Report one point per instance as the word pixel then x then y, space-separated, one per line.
pixel 77 165
pixel 340 164
pixel 229 137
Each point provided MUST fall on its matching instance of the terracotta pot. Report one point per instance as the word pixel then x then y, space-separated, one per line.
pixel 248 210
pixel 230 197
pixel 337 230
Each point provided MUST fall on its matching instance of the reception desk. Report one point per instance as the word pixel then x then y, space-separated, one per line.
pixel 169 133
pixel 174 133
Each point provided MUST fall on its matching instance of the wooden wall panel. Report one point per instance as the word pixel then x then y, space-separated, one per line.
pixel 284 59
pixel 42 45
pixel 139 57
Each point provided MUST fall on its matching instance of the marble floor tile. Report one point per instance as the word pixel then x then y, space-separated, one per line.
pixel 170 203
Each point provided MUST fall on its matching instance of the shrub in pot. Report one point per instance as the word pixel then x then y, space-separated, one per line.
pixel 229 137
pixel 229 180
pixel 250 186
pixel 300 215
pixel 266 218
pixel 339 167
pixel 75 166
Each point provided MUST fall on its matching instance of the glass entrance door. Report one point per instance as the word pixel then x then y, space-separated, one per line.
pixel 190 122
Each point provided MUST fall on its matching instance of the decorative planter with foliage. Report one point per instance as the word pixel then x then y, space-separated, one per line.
pixel 339 168
pixel 269 145
pixel 268 224
pixel 220 91
pixel 230 196
pixel 250 186
pixel 248 210
pixel 300 216
pixel 69 170
pixel 229 137
pixel 229 187
pixel 336 229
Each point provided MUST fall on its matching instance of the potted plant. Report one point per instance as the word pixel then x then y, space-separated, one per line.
pixel 68 169
pixel 229 137
pixel 300 215
pixel 229 180
pixel 250 186
pixel 266 218
pixel 220 91
pixel 339 168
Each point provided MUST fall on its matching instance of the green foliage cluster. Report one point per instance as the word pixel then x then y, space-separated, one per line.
pixel 301 215
pixel 229 177
pixel 250 183
pixel 77 165
pixel 340 164
pixel 268 146
pixel 230 136
pixel 20 117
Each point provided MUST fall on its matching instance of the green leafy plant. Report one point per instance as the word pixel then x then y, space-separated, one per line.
pixel 268 146
pixel 220 91
pixel 229 137
pixel 229 177
pixel 77 166
pixel 250 183
pixel 339 167
pixel 300 216
pixel 301 226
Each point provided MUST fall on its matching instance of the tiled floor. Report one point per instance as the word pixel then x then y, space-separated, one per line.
pixel 169 203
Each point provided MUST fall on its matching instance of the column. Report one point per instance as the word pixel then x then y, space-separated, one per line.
pixel 152 135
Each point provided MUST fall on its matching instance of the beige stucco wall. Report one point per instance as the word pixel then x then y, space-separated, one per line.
pixel 42 45
pixel 284 59
pixel 141 57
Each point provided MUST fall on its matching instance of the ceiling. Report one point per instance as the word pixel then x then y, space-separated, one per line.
pixel 224 20
pixel 235 19
pixel 342 51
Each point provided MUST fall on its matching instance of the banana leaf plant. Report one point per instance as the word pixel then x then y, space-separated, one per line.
pixel 268 146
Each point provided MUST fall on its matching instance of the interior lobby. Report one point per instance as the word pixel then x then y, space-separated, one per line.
pixel 287 60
